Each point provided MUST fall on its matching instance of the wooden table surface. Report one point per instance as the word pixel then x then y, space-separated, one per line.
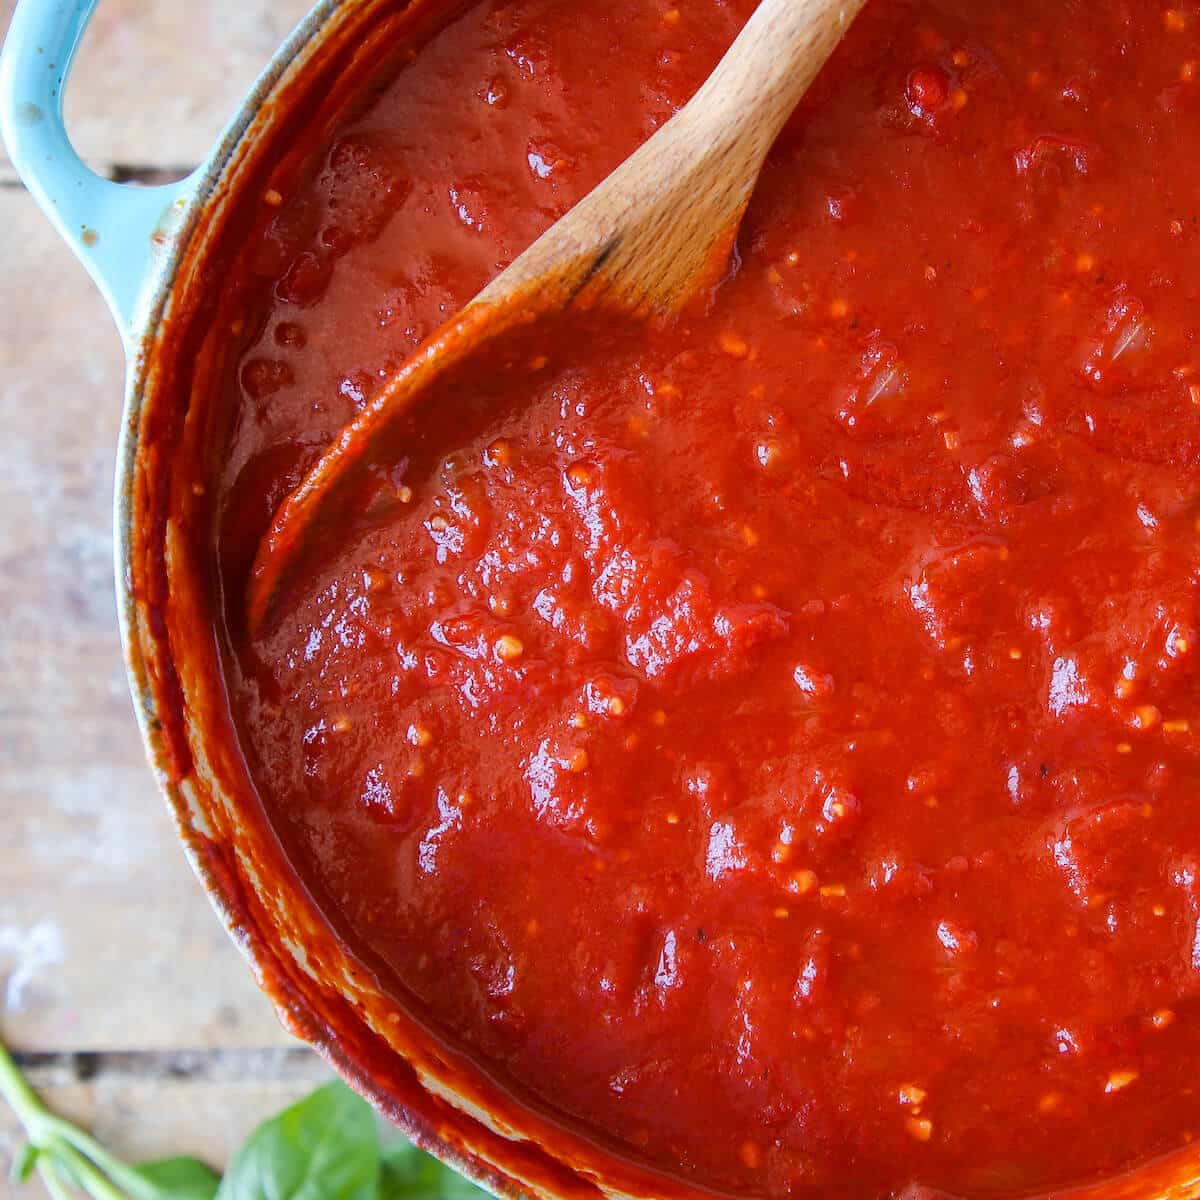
pixel 118 986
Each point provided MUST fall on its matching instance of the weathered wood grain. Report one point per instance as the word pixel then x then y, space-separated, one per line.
pixel 148 1107
pixel 106 940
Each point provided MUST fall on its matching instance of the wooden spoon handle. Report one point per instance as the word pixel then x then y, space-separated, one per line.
pixel 770 66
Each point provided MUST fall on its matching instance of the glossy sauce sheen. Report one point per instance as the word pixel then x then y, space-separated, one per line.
pixel 770 741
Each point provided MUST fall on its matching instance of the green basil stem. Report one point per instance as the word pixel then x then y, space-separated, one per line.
pixel 81 1153
pixel 53 1181
pixel 86 1174
pixel 20 1096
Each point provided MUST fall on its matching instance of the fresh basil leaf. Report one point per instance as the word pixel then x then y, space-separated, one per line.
pixel 324 1148
pixel 407 1173
pixel 181 1178
pixel 23 1163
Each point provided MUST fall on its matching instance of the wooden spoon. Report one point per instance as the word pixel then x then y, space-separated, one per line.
pixel 654 233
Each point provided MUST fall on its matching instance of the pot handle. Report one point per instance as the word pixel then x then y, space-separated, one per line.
pixel 120 232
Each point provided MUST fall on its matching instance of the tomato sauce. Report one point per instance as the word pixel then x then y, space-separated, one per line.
pixel 768 740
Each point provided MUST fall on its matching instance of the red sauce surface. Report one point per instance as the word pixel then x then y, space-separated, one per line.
pixel 764 740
